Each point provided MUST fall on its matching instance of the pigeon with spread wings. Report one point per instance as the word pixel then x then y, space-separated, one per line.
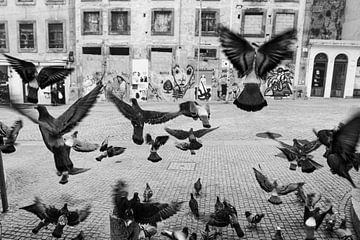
pixel 52 130
pixel 261 59
pixel 46 77
pixel 142 213
pixel 192 135
pixel 274 188
pixel 59 217
pixel 155 145
pixel 139 117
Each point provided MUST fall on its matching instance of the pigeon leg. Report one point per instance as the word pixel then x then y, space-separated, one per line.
pixel 64 178
pixel 39 226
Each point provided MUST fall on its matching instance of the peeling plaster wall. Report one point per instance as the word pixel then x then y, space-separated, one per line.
pixel 351 26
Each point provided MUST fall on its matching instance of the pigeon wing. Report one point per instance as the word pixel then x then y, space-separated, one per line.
pixel 53 214
pixel 4 129
pixel 291 187
pixel 290 155
pixel 263 181
pixel 148 139
pixel 179 134
pixel 159 141
pixel 75 217
pixel 77 111
pixel 51 75
pixel 271 53
pixel 154 117
pixel 238 50
pixel 146 213
pixel 38 208
pixel 202 132
pixel 309 147
pixel 126 109
pixel 25 69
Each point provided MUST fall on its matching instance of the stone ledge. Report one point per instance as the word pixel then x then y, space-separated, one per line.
pixel 355 211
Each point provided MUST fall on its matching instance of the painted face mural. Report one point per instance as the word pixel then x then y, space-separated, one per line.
pixel 183 80
pixel 279 81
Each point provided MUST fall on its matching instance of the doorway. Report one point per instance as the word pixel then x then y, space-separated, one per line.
pixel 319 75
pixel 339 76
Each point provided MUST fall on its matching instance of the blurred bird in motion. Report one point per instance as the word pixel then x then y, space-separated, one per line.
pixel 196 111
pixel 79 145
pixel 254 62
pixel 10 135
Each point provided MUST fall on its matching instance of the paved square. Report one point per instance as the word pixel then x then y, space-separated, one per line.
pixel 224 165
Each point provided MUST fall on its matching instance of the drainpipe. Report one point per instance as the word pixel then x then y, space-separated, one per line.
pixel 198 53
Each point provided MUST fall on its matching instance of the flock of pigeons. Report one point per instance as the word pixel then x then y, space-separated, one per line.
pixel 140 219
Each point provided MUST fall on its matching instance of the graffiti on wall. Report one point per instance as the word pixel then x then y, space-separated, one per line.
pixel 183 80
pixel 279 81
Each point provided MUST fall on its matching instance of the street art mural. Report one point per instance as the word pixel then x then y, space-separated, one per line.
pixel 279 81
pixel 183 80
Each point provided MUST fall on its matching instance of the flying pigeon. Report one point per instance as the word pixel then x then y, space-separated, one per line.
pixel 104 144
pixel 341 152
pixel 194 206
pixel 11 135
pixel 218 205
pixel 46 77
pixel 148 193
pixel 78 145
pixel 139 117
pixel 261 59
pixel 224 217
pixel 253 219
pixel 193 143
pixel 52 130
pixel 143 213
pixel 197 187
pixel 155 145
pixel 177 235
pixel 59 217
pixel 274 188
pixel 196 111
pixel 111 152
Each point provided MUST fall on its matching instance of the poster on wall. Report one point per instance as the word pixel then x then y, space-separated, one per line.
pixel 139 79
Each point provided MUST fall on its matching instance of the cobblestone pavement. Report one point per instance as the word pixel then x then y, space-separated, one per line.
pixel 224 165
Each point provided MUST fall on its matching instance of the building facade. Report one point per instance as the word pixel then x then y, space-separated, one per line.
pixel 36 31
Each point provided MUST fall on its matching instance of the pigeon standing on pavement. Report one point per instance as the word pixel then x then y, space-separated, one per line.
pixel 155 145
pixel 46 77
pixel 177 235
pixel 274 188
pixel 196 111
pixel 52 130
pixel 192 135
pixel 11 135
pixel 139 117
pixel 197 187
pixel 194 206
pixel 255 63
pixel 59 217
pixel 148 193
pixel 253 219
pixel 218 205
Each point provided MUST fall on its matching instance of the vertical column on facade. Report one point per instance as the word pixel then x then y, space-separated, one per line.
pixel 350 76
pixel 329 74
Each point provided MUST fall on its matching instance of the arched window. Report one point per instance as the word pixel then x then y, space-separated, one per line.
pixel 319 75
pixel 339 76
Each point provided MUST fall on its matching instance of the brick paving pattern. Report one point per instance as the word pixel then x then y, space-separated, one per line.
pixel 224 165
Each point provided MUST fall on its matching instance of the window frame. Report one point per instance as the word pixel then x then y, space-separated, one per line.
pixel 83 11
pixel 29 50
pixel 63 22
pixel 5 50
pixel 217 20
pixel 119 0
pixel 253 10
pixel 128 31
pixel 280 11
pixel 207 48
pixel 171 33
pixel 58 2
pixel 33 2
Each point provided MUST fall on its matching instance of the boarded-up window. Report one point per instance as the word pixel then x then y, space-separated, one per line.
pixel 27 35
pixel 3 36
pixel 92 50
pixel 162 22
pixel 25 1
pixel 253 23
pixel 209 20
pixel 91 23
pixel 56 35
pixel 120 22
pixel 55 1
pixel 206 53
pixel 123 51
pixel 284 21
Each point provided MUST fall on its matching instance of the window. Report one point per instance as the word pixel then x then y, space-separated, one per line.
pixel 91 23
pixel 27 36
pixel 91 50
pixel 286 0
pixel 3 37
pixel 123 51
pixel 209 21
pixel 283 20
pixel 25 2
pixel 2 2
pixel 253 23
pixel 162 22
pixel 56 36
pixel 48 2
pixel 119 22
pixel 206 53
pixel 119 0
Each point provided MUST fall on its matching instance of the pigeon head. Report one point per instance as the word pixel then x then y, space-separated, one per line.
pixel 247 214
pixel 186 231
pixel 61 222
pixel 138 132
